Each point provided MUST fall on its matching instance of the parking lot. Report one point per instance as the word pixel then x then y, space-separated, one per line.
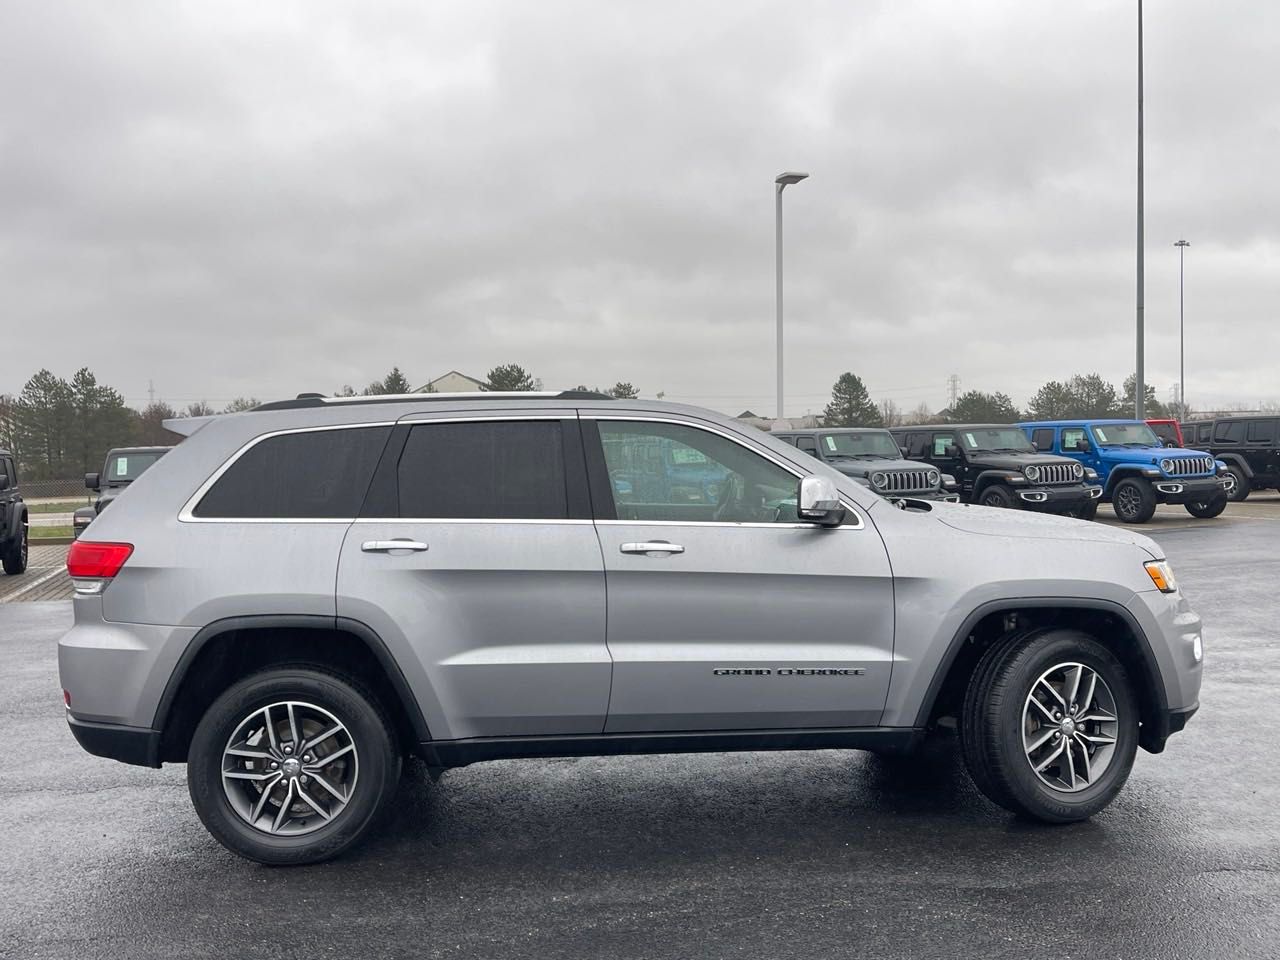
pixel 818 854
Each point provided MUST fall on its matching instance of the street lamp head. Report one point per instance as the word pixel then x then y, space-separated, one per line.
pixel 786 179
pixel 1182 243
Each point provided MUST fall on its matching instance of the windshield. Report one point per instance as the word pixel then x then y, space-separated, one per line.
pixel 996 439
pixel 878 443
pixel 1126 435
pixel 124 467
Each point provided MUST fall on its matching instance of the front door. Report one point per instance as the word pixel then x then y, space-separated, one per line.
pixel 476 561
pixel 725 612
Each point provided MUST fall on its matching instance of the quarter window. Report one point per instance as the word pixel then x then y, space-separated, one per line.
pixel 484 469
pixel 315 474
pixel 673 472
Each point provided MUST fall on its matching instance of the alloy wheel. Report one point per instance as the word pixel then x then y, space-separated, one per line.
pixel 1128 501
pixel 289 768
pixel 1069 727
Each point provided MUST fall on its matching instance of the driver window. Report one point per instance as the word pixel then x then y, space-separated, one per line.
pixel 673 472
pixel 1071 436
pixel 940 443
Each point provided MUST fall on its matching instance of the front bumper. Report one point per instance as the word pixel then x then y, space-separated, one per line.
pixel 135 745
pixel 1057 499
pixel 1193 490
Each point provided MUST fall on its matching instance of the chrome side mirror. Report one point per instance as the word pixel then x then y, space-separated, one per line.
pixel 818 501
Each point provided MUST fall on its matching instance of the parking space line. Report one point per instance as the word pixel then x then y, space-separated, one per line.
pixel 27 588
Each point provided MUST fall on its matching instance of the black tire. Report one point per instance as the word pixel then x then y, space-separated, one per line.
pixel 1087 512
pixel 998 495
pixel 15 559
pixel 992 725
pixel 1241 491
pixel 1134 500
pixel 1208 509
pixel 378 763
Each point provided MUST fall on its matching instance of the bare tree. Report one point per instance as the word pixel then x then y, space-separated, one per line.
pixel 921 414
pixel 890 413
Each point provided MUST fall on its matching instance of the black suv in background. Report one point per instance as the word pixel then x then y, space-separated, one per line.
pixel 997 466
pixel 123 466
pixel 1248 445
pixel 871 456
pixel 13 517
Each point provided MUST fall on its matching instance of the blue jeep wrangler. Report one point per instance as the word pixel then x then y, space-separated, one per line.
pixel 1137 472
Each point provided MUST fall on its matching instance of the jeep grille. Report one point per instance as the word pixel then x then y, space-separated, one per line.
pixel 906 481
pixel 1191 466
pixel 1058 473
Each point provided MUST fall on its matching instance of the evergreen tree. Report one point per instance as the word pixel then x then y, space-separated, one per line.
pixel 393 382
pixel 511 377
pixel 851 405
pixel 978 407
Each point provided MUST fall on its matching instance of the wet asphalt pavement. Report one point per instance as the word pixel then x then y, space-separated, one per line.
pixel 826 854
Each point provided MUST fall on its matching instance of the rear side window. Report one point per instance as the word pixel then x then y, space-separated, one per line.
pixel 1042 437
pixel 315 474
pixel 1262 431
pixel 484 470
pixel 1229 431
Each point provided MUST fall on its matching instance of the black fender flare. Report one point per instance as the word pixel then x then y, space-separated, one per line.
pixel 986 478
pixel 360 630
pixel 18 517
pixel 1125 472
pixel 1153 739
pixel 1236 460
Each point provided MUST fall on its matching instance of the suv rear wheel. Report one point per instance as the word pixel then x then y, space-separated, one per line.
pixel 292 765
pixel 1049 727
pixel 15 558
pixel 1133 500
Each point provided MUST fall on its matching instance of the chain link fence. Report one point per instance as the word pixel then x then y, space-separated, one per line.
pixel 53 489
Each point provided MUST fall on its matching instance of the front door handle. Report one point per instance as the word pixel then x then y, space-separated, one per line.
pixel 387 546
pixel 650 547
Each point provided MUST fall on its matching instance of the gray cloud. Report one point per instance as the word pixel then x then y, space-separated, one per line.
pixel 260 199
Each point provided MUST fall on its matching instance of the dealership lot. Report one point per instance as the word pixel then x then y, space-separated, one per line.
pixel 753 855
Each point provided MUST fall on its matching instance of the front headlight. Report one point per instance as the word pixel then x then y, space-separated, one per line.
pixel 1079 471
pixel 934 478
pixel 878 479
pixel 1161 575
pixel 1167 465
pixel 1032 473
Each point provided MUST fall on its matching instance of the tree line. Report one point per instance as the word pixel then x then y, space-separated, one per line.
pixel 60 429
pixel 1082 396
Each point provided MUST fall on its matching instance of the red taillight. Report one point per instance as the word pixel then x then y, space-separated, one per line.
pixel 96 561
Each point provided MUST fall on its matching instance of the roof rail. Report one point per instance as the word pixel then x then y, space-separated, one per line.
pixel 304 400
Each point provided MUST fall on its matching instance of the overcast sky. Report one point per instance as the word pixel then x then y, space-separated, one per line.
pixel 266 198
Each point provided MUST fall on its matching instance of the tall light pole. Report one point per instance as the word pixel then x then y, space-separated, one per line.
pixel 1182 338
pixel 1139 384
pixel 782 181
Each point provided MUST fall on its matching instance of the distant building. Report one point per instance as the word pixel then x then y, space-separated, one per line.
pixel 808 422
pixel 453 382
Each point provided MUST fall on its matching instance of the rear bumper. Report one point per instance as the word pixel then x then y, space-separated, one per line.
pixel 136 745
pixel 1190 491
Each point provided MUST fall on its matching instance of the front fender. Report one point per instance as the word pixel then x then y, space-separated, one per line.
pixel 1236 460
pixel 987 477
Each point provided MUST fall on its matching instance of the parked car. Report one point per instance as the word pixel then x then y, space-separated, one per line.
pixel 1137 471
pixel 1248 445
pixel 872 457
pixel 13 518
pixel 123 465
pixel 997 466
pixel 297 597
pixel 1169 432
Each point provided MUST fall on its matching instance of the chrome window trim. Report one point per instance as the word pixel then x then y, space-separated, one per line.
pixel 523 520
pixel 854 512
pixel 187 515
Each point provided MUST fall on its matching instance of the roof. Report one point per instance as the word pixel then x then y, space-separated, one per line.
pixel 845 430
pixel 1075 422
pixel 956 426
pixel 452 373
pixel 155 449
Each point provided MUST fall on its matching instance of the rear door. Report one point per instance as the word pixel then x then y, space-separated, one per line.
pixel 725 613
pixel 475 559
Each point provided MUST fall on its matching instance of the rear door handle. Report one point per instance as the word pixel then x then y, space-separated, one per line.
pixel 652 547
pixel 387 546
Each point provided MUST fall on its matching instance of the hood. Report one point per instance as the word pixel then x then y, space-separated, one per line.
pixel 996 522
pixel 1016 461
pixel 864 468
pixel 1152 454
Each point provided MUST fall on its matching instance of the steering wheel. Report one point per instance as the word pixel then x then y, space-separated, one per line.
pixel 730 496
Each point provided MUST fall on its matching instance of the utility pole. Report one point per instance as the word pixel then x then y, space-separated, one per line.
pixel 151 392
pixel 953 388
pixel 781 182
pixel 1139 383
pixel 1182 337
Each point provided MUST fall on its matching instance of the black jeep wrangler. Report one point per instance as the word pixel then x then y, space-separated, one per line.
pixel 123 466
pixel 13 518
pixel 997 466
pixel 871 456
pixel 1248 445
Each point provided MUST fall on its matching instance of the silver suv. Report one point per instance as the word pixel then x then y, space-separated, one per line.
pixel 299 596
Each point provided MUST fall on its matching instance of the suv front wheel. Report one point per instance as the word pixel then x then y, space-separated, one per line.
pixel 15 558
pixel 1133 500
pixel 293 765
pixel 1050 725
